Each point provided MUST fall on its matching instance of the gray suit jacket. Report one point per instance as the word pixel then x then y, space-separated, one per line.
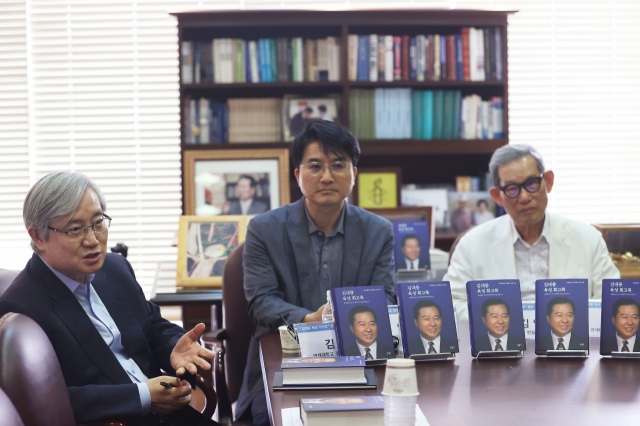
pixel 279 277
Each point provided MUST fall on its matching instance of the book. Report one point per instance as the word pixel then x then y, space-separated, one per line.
pixel 405 57
pixel 323 370
pixel 427 319
pixel 466 65
pixel 389 61
pixel 373 57
pixel 397 58
pixel 369 374
pixel 352 65
pixel 412 242
pixel 495 316
pixel 562 315
pixel 362 322
pixel 186 60
pixel 427 114
pixel 363 58
pixel 342 411
pixel 620 316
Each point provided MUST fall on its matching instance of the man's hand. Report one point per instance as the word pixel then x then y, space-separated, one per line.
pixel 315 316
pixel 165 401
pixel 188 355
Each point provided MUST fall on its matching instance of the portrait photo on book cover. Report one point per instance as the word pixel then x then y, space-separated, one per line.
pixel 620 316
pixel 411 249
pixel 562 315
pixel 498 323
pixel 368 333
pixel 429 320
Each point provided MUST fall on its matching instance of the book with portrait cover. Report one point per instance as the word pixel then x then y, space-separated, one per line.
pixel 342 411
pixel 427 321
pixel 412 242
pixel 495 316
pixel 562 315
pixel 620 316
pixel 362 322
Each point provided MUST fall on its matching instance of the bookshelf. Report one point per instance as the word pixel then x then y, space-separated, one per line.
pixel 434 161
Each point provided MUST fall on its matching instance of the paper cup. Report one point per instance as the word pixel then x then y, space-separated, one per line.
pixel 400 378
pixel 289 343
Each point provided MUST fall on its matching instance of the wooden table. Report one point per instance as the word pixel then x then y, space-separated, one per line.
pixel 527 391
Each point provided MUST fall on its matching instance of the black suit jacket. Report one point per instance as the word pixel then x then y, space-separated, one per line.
pixel 611 345
pixel 446 345
pixel 98 386
pixel 256 207
pixel 577 342
pixel 382 351
pixel 514 343
pixel 403 264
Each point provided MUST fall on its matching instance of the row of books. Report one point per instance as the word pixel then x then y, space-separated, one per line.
pixel 473 55
pixel 227 60
pixel 208 121
pixel 423 114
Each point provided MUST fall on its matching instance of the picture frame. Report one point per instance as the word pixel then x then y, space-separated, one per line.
pixel 204 242
pixel 212 179
pixel 469 209
pixel 378 188
pixel 410 214
pixel 297 111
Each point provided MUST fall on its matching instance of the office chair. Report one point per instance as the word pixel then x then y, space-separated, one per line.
pixel 232 341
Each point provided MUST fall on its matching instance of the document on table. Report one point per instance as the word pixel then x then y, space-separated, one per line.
pixel 291 417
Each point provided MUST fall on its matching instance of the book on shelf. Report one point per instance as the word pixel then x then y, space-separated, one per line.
pixel 255 119
pixel 323 370
pixel 205 121
pixel 342 411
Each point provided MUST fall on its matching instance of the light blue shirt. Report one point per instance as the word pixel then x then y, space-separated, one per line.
pixel 104 324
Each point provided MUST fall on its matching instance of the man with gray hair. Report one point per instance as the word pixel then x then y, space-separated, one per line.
pixel 111 342
pixel 528 242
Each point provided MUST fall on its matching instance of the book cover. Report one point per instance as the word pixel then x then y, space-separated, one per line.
pixel 197 62
pixel 416 114
pixel 449 109
pixel 413 59
pixel 397 58
pixel 459 66
pixel 411 245
pixel 443 58
pixel 352 52
pixel 620 316
pixel 427 319
pixel 451 57
pixel 281 57
pixel 427 114
pixel 388 58
pixel 405 57
pixel 363 58
pixel 381 57
pixel 186 60
pixel 431 57
pixel 421 57
pixel 273 60
pixel 373 57
pixel 498 48
pixel 486 33
pixel 362 322
pixel 495 316
pixel 466 64
pixel 562 315
pixel 342 411
pixel 323 362
pixel 438 114
pixel 457 111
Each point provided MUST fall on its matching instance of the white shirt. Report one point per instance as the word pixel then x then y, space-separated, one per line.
pixel 245 205
pixel 373 347
pixel 411 264
pixel 565 341
pixel 503 341
pixel 631 340
pixel 532 261
pixel 436 344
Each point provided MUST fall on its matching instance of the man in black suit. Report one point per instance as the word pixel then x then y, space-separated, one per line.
pixel 496 317
pixel 411 250
pixel 110 341
pixel 561 317
pixel 428 319
pixel 364 325
pixel 246 204
pixel 625 315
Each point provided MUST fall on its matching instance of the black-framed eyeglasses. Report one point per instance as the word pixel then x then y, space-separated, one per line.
pixel 77 232
pixel 530 185
pixel 337 168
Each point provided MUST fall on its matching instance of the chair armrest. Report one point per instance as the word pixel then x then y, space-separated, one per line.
pixel 214 340
pixel 205 383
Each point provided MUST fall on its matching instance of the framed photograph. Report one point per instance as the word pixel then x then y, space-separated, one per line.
pixel 204 242
pixel 297 112
pixel 410 214
pixel 469 209
pixel 429 195
pixel 235 182
pixel 378 188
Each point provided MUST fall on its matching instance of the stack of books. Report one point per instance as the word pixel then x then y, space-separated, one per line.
pixel 340 372
pixel 342 411
pixel 255 119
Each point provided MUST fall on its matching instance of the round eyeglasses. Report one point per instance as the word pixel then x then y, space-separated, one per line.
pixel 337 168
pixel 78 232
pixel 530 185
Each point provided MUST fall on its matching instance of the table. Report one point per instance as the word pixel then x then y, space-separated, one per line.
pixel 528 391
pixel 196 306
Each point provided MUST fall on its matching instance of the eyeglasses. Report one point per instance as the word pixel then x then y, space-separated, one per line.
pixel 530 185
pixel 78 232
pixel 337 168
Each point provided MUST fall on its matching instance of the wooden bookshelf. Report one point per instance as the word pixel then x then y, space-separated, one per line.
pixel 422 161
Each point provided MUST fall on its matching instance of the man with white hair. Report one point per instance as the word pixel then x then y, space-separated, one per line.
pixel 528 243
pixel 110 341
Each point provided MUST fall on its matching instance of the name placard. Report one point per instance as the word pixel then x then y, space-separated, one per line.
pixel 317 339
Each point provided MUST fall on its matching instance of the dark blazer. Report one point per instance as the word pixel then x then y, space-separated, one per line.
pixel 99 388
pixel 402 264
pixel 446 345
pixel 382 351
pixel 279 277
pixel 577 342
pixel 256 207
pixel 514 343
pixel 611 345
